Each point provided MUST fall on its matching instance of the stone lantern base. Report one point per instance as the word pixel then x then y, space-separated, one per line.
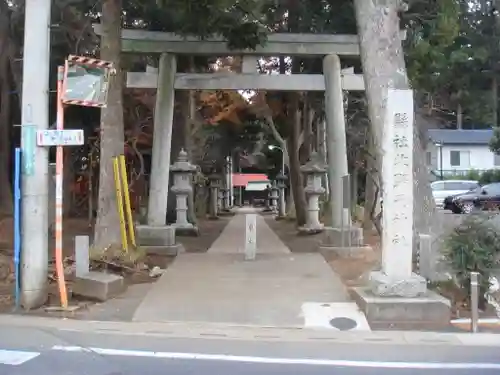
pixel 311 229
pixel 187 229
pixel 352 247
pixel 158 240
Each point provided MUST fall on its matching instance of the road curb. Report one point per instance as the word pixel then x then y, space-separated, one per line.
pixel 200 330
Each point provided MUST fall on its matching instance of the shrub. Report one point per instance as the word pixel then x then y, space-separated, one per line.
pixel 484 177
pixel 473 246
pixel 489 176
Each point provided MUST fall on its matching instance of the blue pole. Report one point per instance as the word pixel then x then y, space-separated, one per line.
pixel 17 224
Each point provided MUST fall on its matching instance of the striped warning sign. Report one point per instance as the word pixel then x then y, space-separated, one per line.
pixel 84 103
pixel 85 60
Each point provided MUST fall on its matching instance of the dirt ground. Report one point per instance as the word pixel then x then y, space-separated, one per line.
pixel 353 272
pixel 350 270
pixel 209 230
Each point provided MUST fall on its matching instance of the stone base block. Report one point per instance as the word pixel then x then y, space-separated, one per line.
pixel 333 237
pixel 346 252
pixel 99 286
pixel 430 311
pixel 155 236
pixel 186 230
pixel 382 285
pixel 309 230
pixel 171 250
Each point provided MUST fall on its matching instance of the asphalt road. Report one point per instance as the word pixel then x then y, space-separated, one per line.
pixel 49 351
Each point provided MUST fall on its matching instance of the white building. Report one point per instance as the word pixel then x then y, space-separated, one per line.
pixel 458 151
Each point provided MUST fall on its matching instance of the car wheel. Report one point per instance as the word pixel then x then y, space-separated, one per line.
pixel 455 209
pixel 467 207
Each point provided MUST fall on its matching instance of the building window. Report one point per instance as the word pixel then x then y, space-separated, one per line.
pixel 459 158
pixel 496 160
pixel 428 158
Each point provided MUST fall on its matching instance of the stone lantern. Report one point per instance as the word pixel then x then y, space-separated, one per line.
pixel 214 195
pixel 228 169
pixel 220 196
pixel 224 193
pixel 274 197
pixel 313 171
pixel 183 172
pixel 281 185
pixel 267 208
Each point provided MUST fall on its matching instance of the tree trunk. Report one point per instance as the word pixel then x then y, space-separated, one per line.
pixel 372 194
pixel 11 51
pixel 354 187
pixel 370 190
pixel 189 112
pixel 107 228
pixel 494 99
pixel 6 206
pixel 460 117
pixel 307 125
pixel 296 181
pixel 384 67
pixel 321 149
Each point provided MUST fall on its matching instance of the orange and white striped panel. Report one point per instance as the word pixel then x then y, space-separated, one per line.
pixel 85 60
pixel 84 103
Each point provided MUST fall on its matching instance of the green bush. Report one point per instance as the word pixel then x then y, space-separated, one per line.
pixel 473 246
pixel 484 177
pixel 470 175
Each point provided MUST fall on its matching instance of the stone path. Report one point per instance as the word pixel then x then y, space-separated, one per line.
pixel 232 239
pixel 276 289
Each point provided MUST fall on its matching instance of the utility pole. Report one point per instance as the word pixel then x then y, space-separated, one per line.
pixel 35 178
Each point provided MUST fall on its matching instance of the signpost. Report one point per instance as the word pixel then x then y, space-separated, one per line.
pixel 250 236
pixel 62 137
pixel 17 224
pixel 345 208
pixel 81 81
pixel 474 301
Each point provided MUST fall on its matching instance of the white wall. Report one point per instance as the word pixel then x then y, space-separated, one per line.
pixel 480 157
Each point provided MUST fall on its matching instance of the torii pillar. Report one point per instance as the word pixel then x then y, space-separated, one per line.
pixel 341 237
pixel 155 233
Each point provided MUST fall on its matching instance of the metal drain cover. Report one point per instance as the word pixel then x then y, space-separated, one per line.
pixel 343 324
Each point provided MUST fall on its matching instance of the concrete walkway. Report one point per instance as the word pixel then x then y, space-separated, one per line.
pixel 232 239
pixel 219 286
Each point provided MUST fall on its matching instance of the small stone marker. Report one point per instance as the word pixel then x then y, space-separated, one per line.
pixel 250 236
pixel 98 286
pixel 82 255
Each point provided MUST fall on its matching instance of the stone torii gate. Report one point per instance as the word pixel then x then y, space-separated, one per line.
pixel 167 80
pixel 396 279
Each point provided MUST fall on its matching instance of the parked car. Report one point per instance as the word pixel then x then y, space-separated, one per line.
pixel 446 188
pixel 485 197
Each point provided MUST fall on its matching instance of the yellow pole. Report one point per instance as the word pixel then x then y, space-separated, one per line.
pixel 119 203
pixel 126 196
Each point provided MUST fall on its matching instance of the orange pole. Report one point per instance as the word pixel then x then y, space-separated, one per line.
pixel 59 194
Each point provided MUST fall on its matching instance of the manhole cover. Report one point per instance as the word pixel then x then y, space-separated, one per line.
pixel 343 324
